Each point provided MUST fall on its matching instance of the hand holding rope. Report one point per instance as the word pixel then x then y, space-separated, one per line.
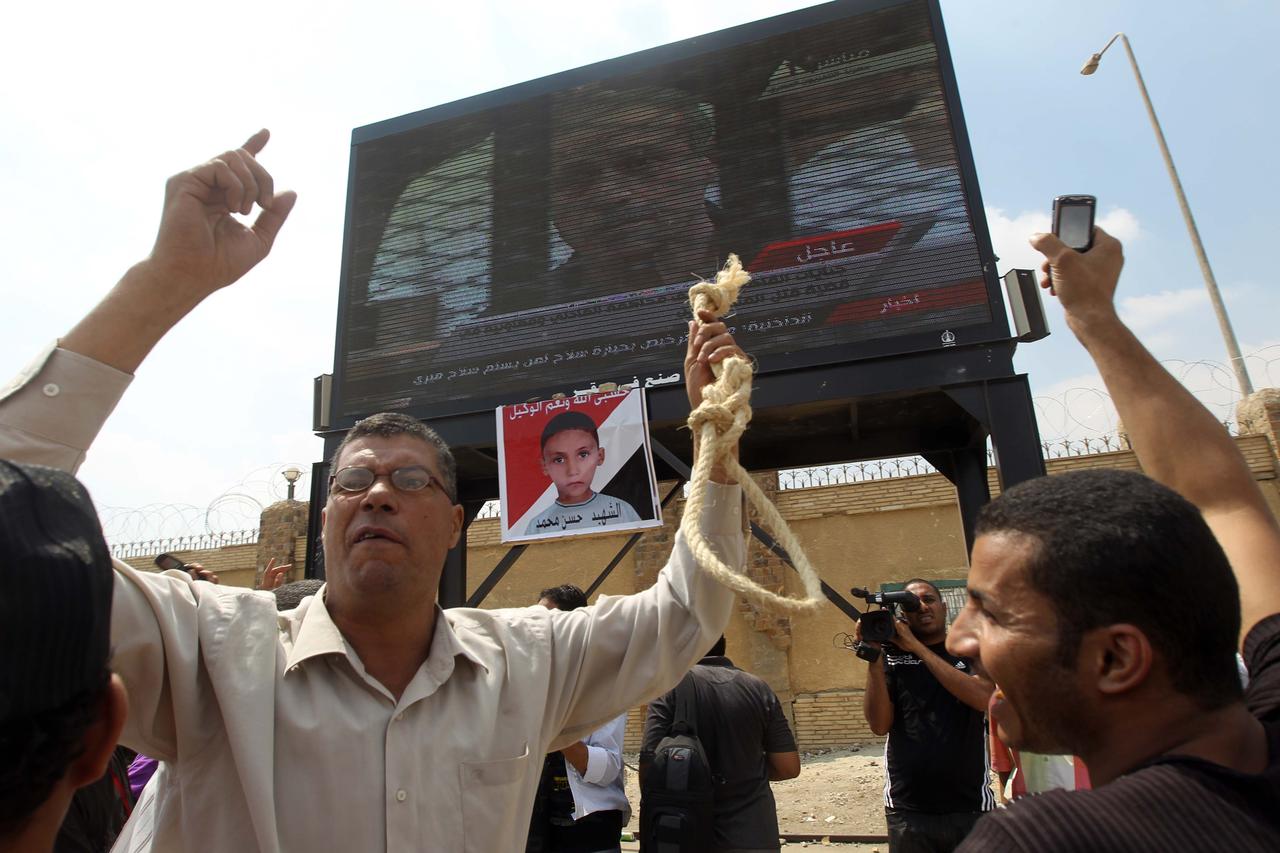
pixel 717 424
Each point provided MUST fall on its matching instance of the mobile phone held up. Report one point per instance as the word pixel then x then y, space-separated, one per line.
pixel 168 562
pixel 1073 220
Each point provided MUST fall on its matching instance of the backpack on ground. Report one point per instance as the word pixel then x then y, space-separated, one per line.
pixel 678 793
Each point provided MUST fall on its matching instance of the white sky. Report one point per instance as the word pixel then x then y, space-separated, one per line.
pixel 102 102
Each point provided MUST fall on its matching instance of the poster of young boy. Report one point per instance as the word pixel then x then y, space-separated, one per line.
pixel 576 465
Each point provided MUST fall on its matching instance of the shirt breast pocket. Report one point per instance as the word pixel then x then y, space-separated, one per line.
pixel 493 808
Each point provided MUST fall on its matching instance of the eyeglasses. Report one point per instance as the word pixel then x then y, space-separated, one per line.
pixel 411 478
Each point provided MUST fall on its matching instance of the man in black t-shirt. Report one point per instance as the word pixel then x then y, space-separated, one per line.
pixel 932 706
pixel 741 726
pixel 1107 609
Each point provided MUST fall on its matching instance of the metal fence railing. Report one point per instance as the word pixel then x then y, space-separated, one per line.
pixel 912 466
pixel 1064 447
pixel 196 542
pixel 854 472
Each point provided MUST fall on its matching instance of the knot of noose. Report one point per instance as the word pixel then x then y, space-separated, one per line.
pixel 718 422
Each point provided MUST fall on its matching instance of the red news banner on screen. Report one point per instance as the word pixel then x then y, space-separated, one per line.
pixel 576 465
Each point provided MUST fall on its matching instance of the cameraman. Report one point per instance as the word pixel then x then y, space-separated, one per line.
pixel 931 706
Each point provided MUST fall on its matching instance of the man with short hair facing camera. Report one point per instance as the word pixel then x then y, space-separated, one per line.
pixel 932 707
pixel 1107 607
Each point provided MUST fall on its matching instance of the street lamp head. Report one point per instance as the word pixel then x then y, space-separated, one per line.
pixel 292 475
pixel 1092 65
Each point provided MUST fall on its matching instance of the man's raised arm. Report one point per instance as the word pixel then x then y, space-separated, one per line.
pixel 200 248
pixel 53 411
pixel 1177 440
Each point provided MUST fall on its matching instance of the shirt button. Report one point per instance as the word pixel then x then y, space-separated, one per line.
pixel 51 390
pixel 401 796
pixel 400 716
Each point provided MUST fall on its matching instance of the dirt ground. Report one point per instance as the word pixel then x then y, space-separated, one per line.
pixel 841 791
pixel 838 792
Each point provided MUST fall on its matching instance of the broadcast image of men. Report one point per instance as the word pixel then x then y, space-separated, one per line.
pixel 630 175
pixel 628 209
pixel 932 707
pixel 435 246
pixel 886 172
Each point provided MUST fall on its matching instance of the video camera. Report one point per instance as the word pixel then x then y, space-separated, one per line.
pixel 877 625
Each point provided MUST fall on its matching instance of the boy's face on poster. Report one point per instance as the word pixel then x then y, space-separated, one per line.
pixel 570 458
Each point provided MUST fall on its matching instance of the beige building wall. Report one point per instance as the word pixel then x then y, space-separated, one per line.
pixel 859 534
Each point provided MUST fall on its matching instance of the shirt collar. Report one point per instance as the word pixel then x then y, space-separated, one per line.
pixel 317 635
pixel 440 663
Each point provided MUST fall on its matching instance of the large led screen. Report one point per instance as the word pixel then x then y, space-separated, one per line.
pixel 541 238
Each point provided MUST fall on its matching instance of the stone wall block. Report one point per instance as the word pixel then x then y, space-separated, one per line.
pixel 279 529
pixel 1260 413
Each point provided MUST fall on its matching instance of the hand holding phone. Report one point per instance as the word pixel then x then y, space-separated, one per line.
pixel 1073 220
pixel 168 562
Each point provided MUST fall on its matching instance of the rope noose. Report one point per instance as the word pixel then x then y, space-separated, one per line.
pixel 722 417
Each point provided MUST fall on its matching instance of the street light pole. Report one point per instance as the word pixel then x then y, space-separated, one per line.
pixel 292 475
pixel 1215 297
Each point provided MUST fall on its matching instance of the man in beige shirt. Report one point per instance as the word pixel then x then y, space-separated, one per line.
pixel 368 718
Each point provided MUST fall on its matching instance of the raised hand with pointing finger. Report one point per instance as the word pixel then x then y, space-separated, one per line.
pixel 201 247
pixel 201 244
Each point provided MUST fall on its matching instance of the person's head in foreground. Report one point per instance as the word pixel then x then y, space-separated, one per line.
pixel 61 708
pixel 1099 601
pixel 570 454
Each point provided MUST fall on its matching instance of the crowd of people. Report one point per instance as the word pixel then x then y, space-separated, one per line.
pixel 1104 614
